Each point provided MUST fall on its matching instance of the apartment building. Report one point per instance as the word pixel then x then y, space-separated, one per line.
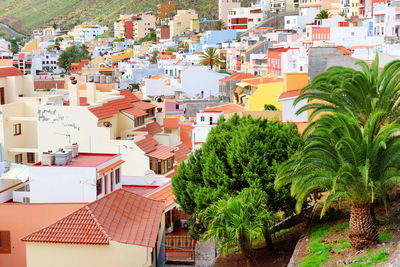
pixel 244 18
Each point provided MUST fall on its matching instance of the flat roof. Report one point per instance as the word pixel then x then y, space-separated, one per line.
pixel 7 184
pixel 85 160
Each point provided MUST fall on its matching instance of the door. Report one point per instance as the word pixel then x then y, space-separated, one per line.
pixel 2 100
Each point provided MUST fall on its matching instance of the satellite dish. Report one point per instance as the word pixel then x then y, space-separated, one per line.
pixel 66 96
pixel 149 177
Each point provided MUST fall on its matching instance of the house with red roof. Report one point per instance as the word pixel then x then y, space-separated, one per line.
pixel 14 84
pixel 116 122
pixel 227 85
pixel 67 176
pixel 119 229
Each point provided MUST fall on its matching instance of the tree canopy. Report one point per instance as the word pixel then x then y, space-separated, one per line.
pixel 72 54
pixel 239 153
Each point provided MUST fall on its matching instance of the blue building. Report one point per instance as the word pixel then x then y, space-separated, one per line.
pixel 215 37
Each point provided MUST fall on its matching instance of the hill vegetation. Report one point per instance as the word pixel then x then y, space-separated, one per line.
pixel 28 15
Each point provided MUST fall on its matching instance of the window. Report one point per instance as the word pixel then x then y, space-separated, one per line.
pixel 17 129
pixel 5 243
pixel 211 120
pixel 31 157
pixel 99 186
pixel 117 176
pixel 18 158
pixel 202 118
pixel 176 106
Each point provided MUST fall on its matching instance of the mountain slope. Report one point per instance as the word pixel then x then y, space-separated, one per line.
pixel 27 15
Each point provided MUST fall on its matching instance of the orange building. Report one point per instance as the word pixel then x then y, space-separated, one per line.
pixel 19 219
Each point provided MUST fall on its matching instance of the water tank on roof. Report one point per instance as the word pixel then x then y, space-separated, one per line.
pixel 102 79
pixel 96 78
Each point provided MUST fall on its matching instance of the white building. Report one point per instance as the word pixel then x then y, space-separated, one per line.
pixel 87 177
pixel 224 6
pixel 298 23
pixel 205 121
pixel 87 34
pixel 200 82
pixel 244 18
pixel 288 110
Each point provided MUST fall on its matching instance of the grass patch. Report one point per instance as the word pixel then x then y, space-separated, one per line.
pixel 319 252
pixel 385 236
pixel 341 226
pixel 372 258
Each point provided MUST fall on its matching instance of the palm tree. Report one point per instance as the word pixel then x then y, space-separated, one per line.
pixel 210 57
pixel 219 25
pixel 353 92
pixel 323 14
pixel 238 220
pixel 350 162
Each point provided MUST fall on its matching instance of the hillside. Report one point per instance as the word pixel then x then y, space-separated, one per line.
pixel 27 15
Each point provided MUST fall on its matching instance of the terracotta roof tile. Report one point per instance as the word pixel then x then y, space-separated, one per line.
pixel 238 76
pixel 10 71
pixel 135 112
pixel 147 144
pixel 121 216
pixel 227 108
pixel 153 128
pixel 49 84
pixel 289 94
pixel 162 152
pixel 259 80
pixel 182 153
pixel 143 105
pixel 164 193
pixel 171 122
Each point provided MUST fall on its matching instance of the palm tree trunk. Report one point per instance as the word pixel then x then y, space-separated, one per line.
pixel 243 246
pixel 268 239
pixel 363 226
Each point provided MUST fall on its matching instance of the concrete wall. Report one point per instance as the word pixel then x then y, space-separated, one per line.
pixel 321 58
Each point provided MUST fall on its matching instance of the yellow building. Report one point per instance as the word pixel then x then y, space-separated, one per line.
pixel 195 25
pixel 31 45
pixel 128 53
pixel 183 21
pixel 255 93
pixel 101 234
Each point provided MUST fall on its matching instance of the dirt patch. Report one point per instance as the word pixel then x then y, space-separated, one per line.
pixel 262 257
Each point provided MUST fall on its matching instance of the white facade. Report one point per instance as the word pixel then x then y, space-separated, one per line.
pixel 74 183
pixel 298 23
pixel 289 111
pixel 87 34
pixel 244 18
pixel 224 6
pixel 205 121
pixel 200 82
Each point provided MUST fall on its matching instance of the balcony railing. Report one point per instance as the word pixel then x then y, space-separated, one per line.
pixel 179 249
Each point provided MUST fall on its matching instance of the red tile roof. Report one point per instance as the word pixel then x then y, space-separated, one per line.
pixel 143 105
pixel 142 190
pixel 153 128
pixel 227 108
pixel 184 131
pixel 120 216
pixel 49 84
pixel 147 144
pixel 238 76
pixel 182 153
pixel 129 95
pixel 85 160
pixel 258 80
pixel 10 71
pixel 135 112
pixel 108 109
pixel 164 193
pixel 171 122
pixel 289 94
pixel 82 102
pixel 162 152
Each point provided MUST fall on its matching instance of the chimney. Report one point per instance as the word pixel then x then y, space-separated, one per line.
pixel 91 92
pixel 74 94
